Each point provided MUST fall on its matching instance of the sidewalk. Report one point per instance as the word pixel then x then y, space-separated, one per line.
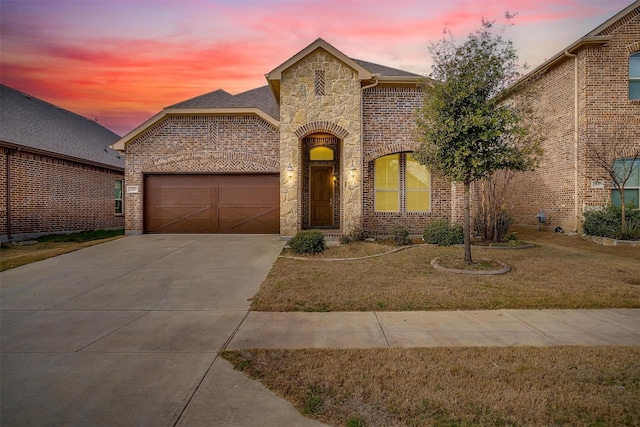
pixel 438 329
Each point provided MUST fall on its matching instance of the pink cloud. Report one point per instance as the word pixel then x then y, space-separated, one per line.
pixel 124 61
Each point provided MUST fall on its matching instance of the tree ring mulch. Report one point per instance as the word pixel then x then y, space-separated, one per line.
pixel 524 245
pixel 476 269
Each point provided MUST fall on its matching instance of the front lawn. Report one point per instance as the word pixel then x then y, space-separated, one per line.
pixel 15 255
pixel 533 386
pixel 560 272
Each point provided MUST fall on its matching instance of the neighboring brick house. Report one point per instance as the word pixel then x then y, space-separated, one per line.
pixel 57 171
pixel 589 94
pixel 326 144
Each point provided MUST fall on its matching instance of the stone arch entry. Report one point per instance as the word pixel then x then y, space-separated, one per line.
pixel 321 127
pixel 321 195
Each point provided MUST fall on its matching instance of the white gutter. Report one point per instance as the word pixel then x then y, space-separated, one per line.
pixel 576 124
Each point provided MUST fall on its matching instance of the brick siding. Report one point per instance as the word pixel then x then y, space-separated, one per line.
pixel 605 114
pixel 198 144
pixel 53 195
pixel 389 117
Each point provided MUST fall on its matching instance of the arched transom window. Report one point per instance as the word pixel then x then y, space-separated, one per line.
pixel 320 153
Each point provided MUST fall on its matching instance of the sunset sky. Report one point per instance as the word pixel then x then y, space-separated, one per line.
pixel 122 61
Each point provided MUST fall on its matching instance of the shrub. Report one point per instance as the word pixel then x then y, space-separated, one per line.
pixel 607 222
pixel 400 235
pixel 357 235
pixel 491 225
pixel 308 242
pixel 441 233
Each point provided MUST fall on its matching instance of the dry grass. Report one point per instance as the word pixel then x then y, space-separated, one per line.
pixel 352 250
pixel 12 256
pixel 562 272
pixel 595 386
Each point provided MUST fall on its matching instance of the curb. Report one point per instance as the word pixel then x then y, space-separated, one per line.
pixel 505 269
pixel 402 248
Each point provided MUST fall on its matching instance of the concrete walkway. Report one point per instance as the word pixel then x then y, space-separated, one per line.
pixel 128 333
pixel 439 329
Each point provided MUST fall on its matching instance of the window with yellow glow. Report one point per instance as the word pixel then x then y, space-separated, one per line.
pixel 387 183
pixel 395 194
pixel 320 153
pixel 418 186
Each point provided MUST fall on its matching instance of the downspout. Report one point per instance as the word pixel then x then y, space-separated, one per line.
pixel 576 124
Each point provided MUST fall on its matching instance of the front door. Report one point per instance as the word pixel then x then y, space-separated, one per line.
pixel 321 197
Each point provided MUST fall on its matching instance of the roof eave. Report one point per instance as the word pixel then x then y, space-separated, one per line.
pixel 274 85
pixel 560 57
pixel 225 110
pixel 275 75
pixel 120 145
pixel 624 12
pixel 400 79
pixel 20 147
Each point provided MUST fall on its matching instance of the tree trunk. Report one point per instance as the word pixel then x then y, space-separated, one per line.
pixel 467 224
pixel 623 222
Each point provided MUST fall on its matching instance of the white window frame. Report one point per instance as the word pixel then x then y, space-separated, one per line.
pixel 119 199
pixel 630 185
pixel 634 78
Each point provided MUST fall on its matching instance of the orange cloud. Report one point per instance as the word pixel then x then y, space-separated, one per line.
pixel 122 62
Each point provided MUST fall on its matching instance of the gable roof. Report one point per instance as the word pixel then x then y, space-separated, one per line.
pixel 367 71
pixel 255 98
pixel 276 73
pixel 29 122
pixel 217 97
pixel 264 101
pixel 384 71
pixel 597 37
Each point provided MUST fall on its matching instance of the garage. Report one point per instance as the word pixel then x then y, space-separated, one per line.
pixel 226 204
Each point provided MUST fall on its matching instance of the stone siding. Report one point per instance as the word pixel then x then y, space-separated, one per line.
pixel 335 111
pixel 197 144
pixel 52 195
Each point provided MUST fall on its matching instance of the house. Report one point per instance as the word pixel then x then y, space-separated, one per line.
pixel 589 102
pixel 57 171
pixel 325 144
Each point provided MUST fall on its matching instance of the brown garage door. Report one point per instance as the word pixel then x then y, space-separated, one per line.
pixel 230 204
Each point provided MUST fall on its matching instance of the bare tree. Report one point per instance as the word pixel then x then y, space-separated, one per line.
pixel 492 219
pixel 617 153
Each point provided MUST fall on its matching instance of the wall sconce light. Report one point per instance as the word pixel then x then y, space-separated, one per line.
pixel 290 171
pixel 352 169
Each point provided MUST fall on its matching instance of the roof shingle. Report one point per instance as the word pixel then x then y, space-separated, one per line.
pixel 30 122
pixel 262 97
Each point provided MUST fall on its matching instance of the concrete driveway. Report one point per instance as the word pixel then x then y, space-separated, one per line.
pixel 127 333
